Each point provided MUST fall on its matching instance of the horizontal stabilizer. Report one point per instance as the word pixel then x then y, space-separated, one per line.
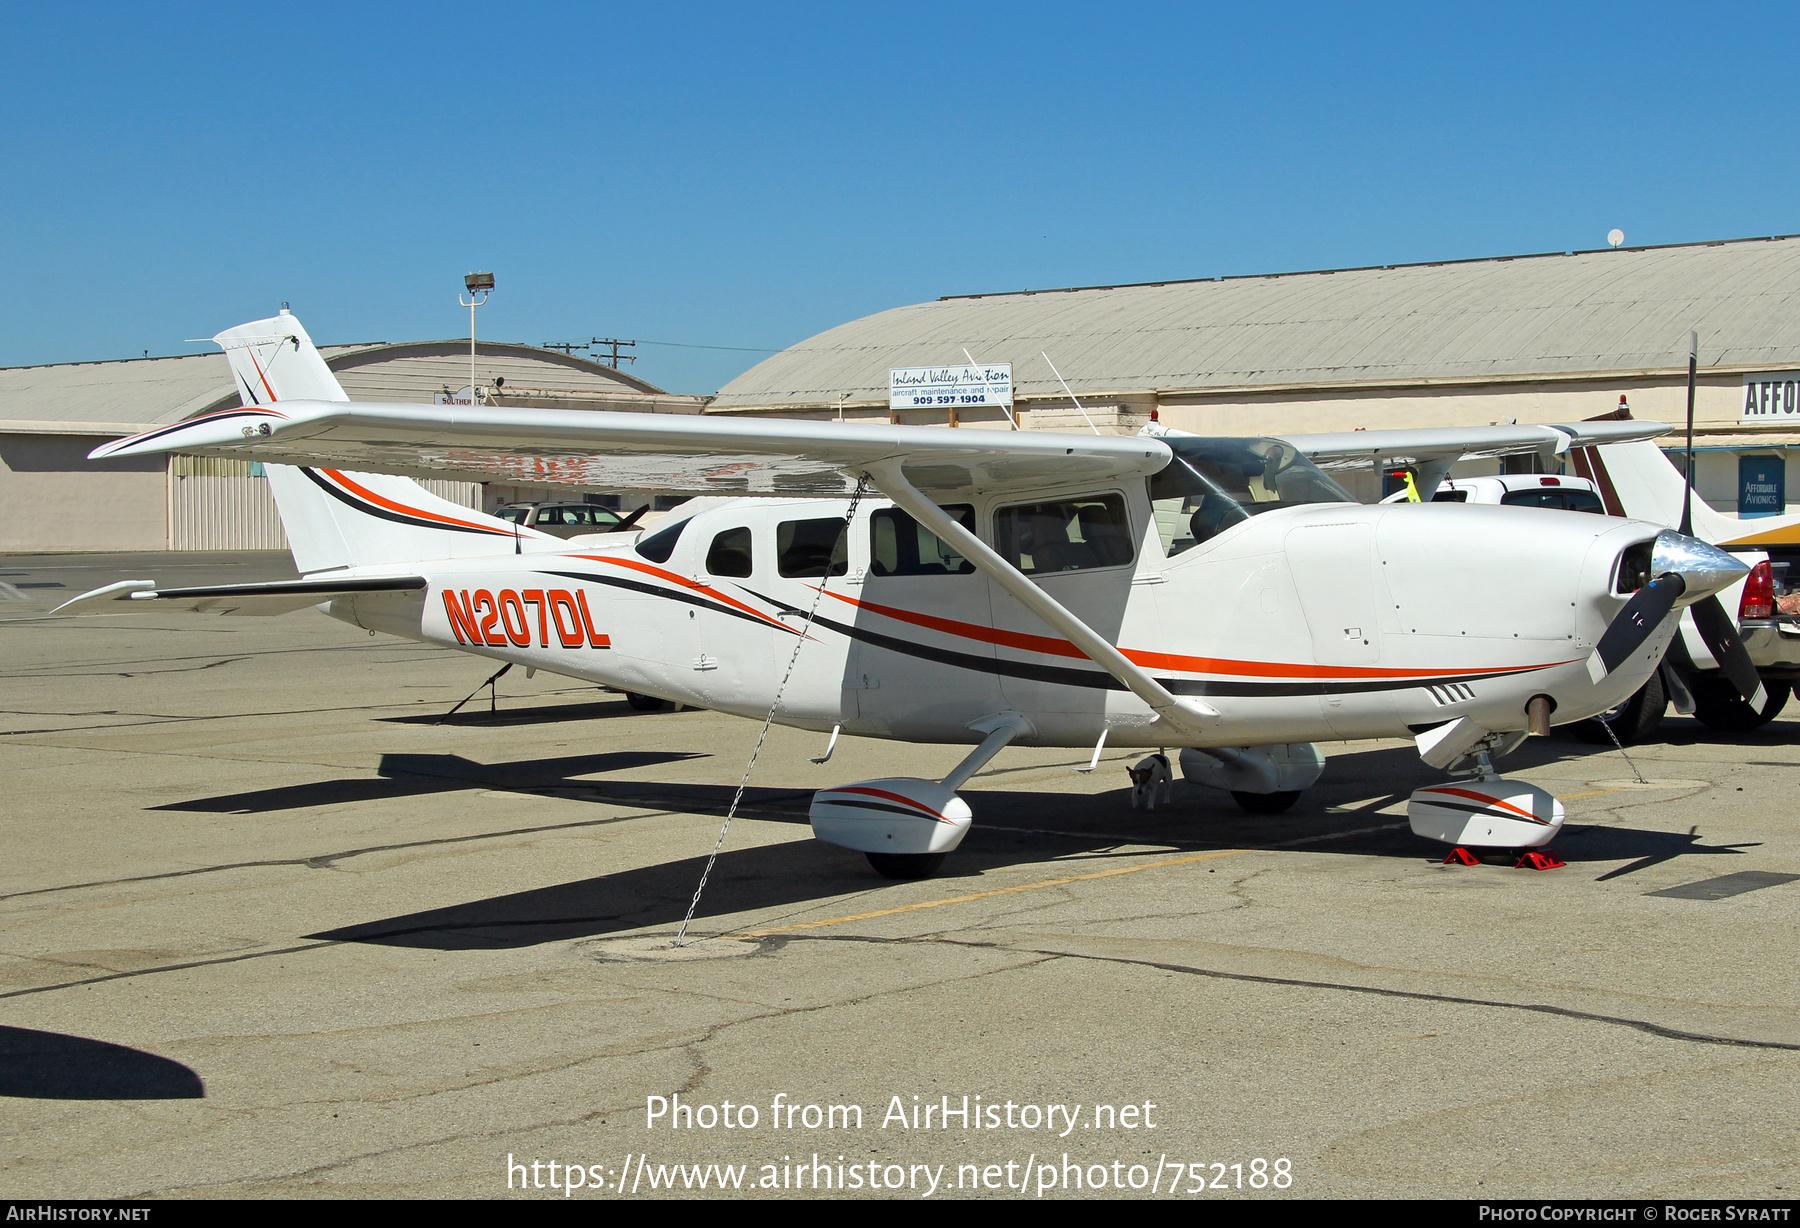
pixel 277 597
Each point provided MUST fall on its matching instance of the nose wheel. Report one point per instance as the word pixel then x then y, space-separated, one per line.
pixel 1265 803
pixel 905 865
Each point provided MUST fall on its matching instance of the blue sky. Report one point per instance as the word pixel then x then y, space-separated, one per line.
pixel 748 175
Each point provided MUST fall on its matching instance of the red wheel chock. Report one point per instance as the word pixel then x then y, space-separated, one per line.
pixel 1539 859
pixel 1462 857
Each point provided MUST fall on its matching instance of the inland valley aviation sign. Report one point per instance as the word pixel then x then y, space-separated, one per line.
pixel 950 387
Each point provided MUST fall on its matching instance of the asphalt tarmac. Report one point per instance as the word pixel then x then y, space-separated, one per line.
pixel 271 928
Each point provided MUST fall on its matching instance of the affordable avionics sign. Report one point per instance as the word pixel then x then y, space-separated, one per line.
pixel 1771 397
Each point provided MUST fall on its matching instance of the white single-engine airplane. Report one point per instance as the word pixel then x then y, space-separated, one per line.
pixel 1221 595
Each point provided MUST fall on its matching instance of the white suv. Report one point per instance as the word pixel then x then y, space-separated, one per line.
pixel 1519 490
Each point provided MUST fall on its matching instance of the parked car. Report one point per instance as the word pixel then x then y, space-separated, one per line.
pixel 568 519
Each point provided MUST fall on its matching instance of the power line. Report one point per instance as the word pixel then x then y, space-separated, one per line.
pixel 569 347
pixel 688 345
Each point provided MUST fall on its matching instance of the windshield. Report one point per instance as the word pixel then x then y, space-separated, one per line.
pixel 1213 484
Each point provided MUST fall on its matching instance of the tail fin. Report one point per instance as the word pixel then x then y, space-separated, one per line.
pixel 1637 480
pixel 274 360
pixel 335 519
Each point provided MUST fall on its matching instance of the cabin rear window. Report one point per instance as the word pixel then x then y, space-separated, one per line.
pixel 811 548
pixel 729 554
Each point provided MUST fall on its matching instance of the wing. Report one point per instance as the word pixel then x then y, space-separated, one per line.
pixel 1431 451
pixel 278 597
pixel 678 453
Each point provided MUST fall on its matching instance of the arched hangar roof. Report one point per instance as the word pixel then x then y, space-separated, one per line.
pixel 126 395
pixel 1557 314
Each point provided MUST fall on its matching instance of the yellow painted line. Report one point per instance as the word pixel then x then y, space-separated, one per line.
pixel 1596 793
pixel 982 895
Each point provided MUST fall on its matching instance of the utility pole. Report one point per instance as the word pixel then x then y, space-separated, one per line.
pixel 612 359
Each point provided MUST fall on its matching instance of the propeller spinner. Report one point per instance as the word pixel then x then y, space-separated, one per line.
pixel 1686 571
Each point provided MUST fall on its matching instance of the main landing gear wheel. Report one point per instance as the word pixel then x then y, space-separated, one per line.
pixel 643 703
pixel 905 865
pixel 1266 803
pixel 1632 721
pixel 1717 705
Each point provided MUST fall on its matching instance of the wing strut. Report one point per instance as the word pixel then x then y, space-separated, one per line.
pixel 1188 717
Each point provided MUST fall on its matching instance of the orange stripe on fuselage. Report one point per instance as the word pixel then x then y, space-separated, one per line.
pixel 1051 646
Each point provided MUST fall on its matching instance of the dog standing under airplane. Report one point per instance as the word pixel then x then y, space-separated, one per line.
pixel 1150 775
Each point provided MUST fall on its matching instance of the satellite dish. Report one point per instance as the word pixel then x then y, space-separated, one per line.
pixel 1615 237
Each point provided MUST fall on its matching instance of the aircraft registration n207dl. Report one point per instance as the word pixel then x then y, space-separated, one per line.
pixel 1219 595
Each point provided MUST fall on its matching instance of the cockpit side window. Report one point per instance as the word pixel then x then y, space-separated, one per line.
pixel 1068 535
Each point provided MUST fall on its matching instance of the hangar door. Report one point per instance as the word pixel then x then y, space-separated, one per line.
pixel 218 504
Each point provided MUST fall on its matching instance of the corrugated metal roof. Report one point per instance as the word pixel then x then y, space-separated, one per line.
pixel 150 391
pixel 1600 311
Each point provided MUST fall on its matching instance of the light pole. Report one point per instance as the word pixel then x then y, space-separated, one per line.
pixel 479 286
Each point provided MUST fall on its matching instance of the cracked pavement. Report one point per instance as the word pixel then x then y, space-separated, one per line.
pixel 270 930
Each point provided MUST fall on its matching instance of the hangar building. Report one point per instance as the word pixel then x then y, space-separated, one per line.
pixel 53 499
pixel 1546 338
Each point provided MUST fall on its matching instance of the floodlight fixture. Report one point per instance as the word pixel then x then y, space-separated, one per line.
pixel 479 286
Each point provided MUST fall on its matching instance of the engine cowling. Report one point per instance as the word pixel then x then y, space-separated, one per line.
pixel 897 814
pixel 1506 814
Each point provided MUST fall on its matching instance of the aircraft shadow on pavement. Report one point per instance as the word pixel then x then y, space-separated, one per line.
pixel 52 1066
pixel 1065 833
pixel 478 713
pixel 417 775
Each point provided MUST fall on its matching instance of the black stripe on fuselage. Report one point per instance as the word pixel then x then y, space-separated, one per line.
pixel 686 598
pixel 1062 675
pixel 382 513
pixel 1055 675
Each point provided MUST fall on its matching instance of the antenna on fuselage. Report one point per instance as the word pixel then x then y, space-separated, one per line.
pixel 989 388
pixel 1687 494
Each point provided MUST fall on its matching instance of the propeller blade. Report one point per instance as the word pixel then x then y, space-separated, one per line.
pixel 630 522
pixel 1720 632
pixel 1634 624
